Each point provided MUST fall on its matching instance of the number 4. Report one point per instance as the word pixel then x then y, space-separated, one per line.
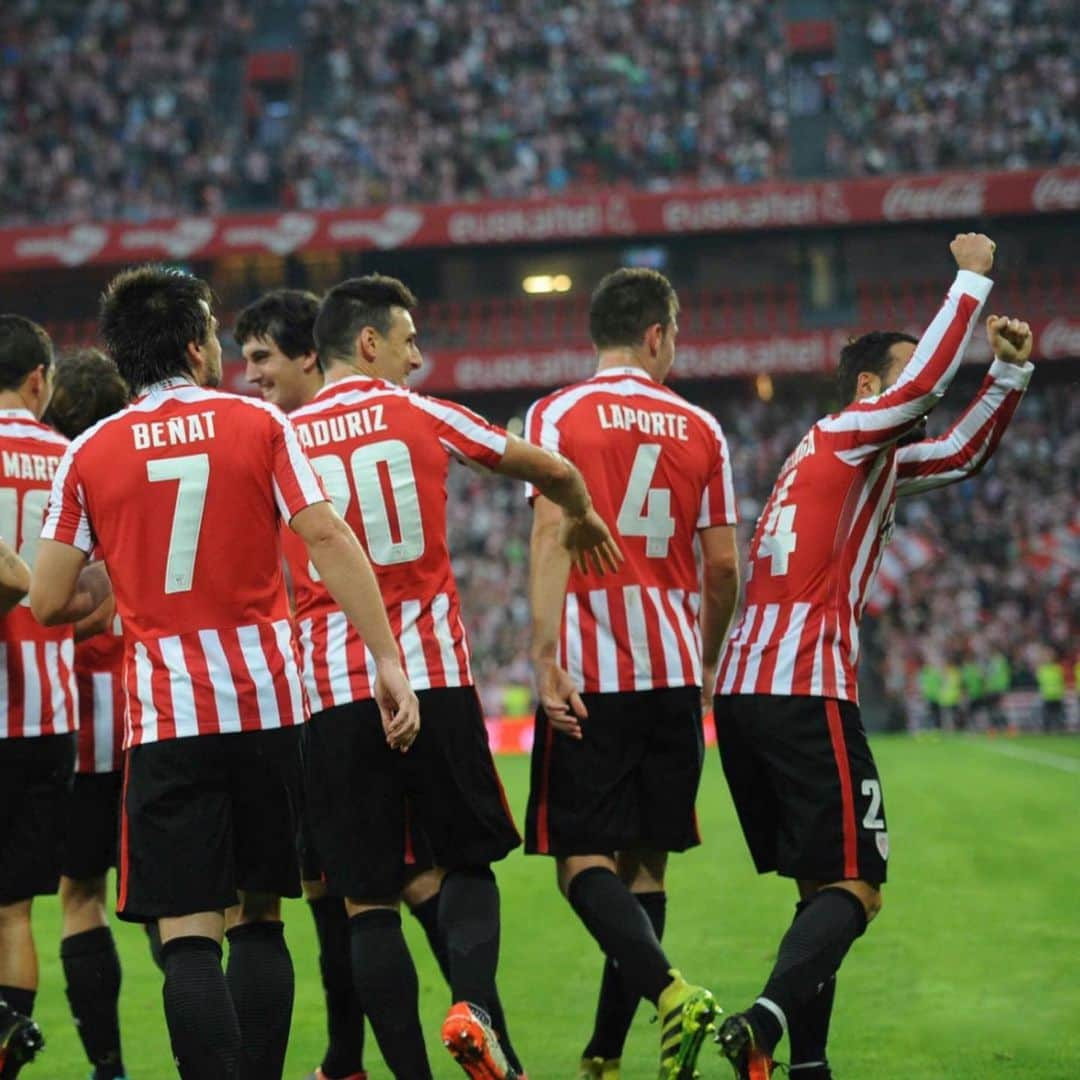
pixel 645 510
pixel 193 472
pixel 778 539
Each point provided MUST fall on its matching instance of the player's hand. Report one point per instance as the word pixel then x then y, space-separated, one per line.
pixel 590 543
pixel 973 251
pixel 1011 339
pixel 708 688
pixel 398 705
pixel 559 698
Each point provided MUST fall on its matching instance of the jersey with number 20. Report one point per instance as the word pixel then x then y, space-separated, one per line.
pixel 184 492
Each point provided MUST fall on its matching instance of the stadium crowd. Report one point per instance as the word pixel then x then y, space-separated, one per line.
pixel 137 110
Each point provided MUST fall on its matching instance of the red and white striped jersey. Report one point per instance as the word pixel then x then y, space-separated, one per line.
pixel 37 678
pixel 184 492
pixel 658 471
pixel 821 535
pixel 99 673
pixel 383 453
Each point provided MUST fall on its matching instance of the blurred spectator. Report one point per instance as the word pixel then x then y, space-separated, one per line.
pixel 1050 675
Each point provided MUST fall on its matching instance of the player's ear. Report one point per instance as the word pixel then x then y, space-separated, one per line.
pixel 309 362
pixel 654 336
pixel 867 384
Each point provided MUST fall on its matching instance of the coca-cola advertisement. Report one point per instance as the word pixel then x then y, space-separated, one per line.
pixel 593 215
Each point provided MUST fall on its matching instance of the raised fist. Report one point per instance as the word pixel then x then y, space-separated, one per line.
pixel 973 251
pixel 1011 339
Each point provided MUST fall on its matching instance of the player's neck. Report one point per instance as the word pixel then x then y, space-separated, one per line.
pixel 338 370
pixel 622 358
pixel 12 399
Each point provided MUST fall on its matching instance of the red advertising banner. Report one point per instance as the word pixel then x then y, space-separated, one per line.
pixel 610 214
pixel 458 371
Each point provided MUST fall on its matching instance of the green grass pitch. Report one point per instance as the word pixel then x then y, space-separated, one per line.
pixel 970 972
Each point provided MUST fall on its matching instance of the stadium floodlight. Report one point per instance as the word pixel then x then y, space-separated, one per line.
pixel 538 284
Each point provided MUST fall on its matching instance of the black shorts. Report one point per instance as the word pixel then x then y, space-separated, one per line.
pixel 629 783
pixel 805 786
pixel 35 777
pixel 206 816
pixel 91 825
pixel 379 816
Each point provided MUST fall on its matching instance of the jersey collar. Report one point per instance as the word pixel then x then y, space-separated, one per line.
pixel 631 370
pixel 177 382
pixel 18 414
pixel 354 382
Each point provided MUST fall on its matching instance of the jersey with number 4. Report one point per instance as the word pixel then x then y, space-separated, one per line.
pixel 184 493
pixel 658 470
pixel 821 535
pixel 37 680
pixel 383 454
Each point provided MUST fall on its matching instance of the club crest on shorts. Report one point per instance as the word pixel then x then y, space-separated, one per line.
pixel 882 841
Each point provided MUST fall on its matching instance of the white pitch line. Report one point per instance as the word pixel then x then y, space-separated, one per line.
pixel 1039 757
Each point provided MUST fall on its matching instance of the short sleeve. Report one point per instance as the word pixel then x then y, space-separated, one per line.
pixel 66 518
pixel 463 433
pixel 296 485
pixel 718 498
pixel 540 432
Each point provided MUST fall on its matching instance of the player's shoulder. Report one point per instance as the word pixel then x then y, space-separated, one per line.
pixel 349 393
pixel 25 429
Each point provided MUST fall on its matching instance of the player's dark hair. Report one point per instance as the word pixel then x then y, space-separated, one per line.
pixel 626 303
pixel 347 308
pixel 868 353
pixel 88 388
pixel 283 316
pixel 148 317
pixel 24 346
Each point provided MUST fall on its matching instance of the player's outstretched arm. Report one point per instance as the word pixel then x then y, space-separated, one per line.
pixel 346 572
pixel 719 596
pixel 63 589
pixel 549 570
pixel 582 531
pixel 874 422
pixel 970 443
pixel 14 577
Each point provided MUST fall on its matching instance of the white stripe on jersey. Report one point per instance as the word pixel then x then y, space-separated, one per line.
pixel 102 719
pixel 668 642
pixel 59 701
pixel 607 651
pixel 461 422
pixel 226 700
pixel 255 659
pixel 283 637
pixel 738 640
pixel 181 688
pixel 12 429
pixel 83 539
pixel 148 721
pixel 870 536
pixel 337 657
pixel 788 650
pixel 769 615
pixel 572 620
pixel 440 608
pixel 307 660
pixel 639 637
pixel 689 635
pixel 817 679
pixel 415 663
pixel 31 690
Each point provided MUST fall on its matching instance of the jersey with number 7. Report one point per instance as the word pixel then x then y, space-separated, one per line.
pixel 184 491
pixel 657 468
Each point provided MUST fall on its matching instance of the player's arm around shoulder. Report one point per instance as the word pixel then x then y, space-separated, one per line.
pixel 14 577
pixel 63 589
pixel 719 598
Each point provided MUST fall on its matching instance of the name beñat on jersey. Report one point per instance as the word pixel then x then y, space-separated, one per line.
pixel 176 431
pixel 648 421
pixel 349 425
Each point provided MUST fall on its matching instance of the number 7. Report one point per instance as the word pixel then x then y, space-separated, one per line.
pixel 193 472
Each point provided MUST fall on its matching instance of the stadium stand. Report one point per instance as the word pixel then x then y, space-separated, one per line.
pixel 407 101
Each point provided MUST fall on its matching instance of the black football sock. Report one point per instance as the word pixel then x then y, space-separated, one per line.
pixel 92 969
pixel 810 954
pixel 808 1027
pixel 344 1017
pixel 203 1028
pixel 617 1003
pixel 622 929
pixel 22 1001
pixel 261 981
pixel 387 990
pixel 153 935
pixel 427 915
pixel 469 924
